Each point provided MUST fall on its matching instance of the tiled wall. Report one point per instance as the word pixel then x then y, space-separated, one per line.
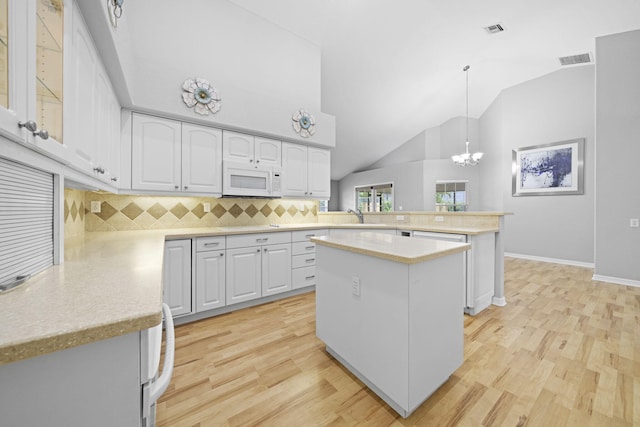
pixel 124 212
pixel 74 213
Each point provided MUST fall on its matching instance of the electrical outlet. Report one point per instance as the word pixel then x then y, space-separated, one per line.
pixel 399 217
pixel 355 286
pixel 634 222
pixel 207 207
pixel 439 218
pixel 96 206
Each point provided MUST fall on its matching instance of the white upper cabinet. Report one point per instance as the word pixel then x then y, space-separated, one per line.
pixel 306 171
pixel 156 154
pixel 94 132
pixel 201 159
pixel 33 38
pixel 170 156
pixel 255 150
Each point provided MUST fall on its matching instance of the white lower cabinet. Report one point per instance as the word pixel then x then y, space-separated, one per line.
pixel 258 265
pixel 176 276
pixel 210 277
pixel 303 260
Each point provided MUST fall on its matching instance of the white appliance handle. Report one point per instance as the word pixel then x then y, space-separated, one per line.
pixel 159 386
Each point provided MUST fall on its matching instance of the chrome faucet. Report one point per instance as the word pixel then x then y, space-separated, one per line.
pixel 357 213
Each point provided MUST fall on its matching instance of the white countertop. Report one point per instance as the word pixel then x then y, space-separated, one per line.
pixel 392 248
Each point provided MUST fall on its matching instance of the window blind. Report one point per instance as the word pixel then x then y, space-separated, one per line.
pixel 26 220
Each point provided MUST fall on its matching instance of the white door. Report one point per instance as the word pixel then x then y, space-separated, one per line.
pixel 319 173
pixel 237 147
pixel 155 154
pixel 268 152
pixel 294 170
pixel 201 159
pixel 176 276
pixel 276 269
pixel 210 280
pixel 244 271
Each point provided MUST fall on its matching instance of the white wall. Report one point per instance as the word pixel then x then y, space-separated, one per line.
pixel 407 179
pixel 618 151
pixel 263 73
pixel 555 107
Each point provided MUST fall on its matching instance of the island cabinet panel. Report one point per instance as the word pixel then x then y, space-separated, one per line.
pixel 398 327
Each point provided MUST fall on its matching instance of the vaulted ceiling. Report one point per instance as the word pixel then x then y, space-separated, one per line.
pixel 393 68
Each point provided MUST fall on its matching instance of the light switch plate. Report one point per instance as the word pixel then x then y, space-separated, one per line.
pixel 439 218
pixel 399 217
pixel 95 206
pixel 355 286
pixel 207 207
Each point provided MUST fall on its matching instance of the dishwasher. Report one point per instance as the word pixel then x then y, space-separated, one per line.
pixel 450 237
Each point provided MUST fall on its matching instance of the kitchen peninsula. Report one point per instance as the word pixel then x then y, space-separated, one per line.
pixel 388 308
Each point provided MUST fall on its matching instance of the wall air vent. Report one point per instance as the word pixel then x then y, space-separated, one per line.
pixel 583 58
pixel 495 28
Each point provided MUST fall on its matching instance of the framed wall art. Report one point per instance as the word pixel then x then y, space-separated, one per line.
pixel 549 169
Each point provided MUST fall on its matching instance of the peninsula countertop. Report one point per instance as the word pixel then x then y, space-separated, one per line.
pixel 392 248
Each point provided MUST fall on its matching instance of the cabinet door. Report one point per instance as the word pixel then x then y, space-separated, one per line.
pixel 276 269
pixel 237 147
pixel 155 154
pixel 268 152
pixel 244 269
pixel 13 69
pixel 319 173
pixel 294 170
pixel 176 276
pixel 201 159
pixel 210 280
pixel 83 69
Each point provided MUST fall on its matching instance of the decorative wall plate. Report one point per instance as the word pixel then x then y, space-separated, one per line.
pixel 303 123
pixel 200 94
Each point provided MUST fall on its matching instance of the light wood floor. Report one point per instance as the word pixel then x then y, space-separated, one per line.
pixel 565 351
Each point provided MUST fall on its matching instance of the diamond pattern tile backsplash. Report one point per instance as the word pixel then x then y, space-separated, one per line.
pixel 124 212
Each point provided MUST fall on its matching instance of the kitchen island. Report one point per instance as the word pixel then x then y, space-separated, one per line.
pixel 388 309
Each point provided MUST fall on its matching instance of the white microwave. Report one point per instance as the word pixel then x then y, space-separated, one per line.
pixel 240 179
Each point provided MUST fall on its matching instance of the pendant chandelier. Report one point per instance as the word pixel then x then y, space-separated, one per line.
pixel 467 158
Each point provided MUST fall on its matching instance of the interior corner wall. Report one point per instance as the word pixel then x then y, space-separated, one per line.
pixel 407 179
pixel 556 107
pixel 618 150
pixel 334 201
pixel 412 150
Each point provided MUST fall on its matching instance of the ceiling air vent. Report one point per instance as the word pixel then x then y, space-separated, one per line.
pixel 583 58
pixel 495 28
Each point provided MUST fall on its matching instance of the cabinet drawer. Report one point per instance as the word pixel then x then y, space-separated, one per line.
pixel 210 243
pixel 298 261
pixel 257 239
pixel 303 235
pixel 302 248
pixel 302 277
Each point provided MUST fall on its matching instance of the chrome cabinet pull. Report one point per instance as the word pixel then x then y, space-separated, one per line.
pixel 42 133
pixel 310 277
pixel 264 239
pixel 212 244
pixel 310 260
pixel 30 125
pixel 19 280
pixel 310 247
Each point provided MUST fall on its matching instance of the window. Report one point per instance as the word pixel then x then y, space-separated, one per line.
pixel 375 198
pixel 451 196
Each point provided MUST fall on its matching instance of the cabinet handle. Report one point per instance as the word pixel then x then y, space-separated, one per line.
pixel 309 277
pixel 250 160
pixel 264 239
pixel 30 125
pixel 42 133
pixel 98 169
pixel 265 249
pixel 310 193
pixel 114 179
pixel 257 161
pixel 176 187
pixel 309 235
pixel 212 244
pixel 186 186
pixel 17 281
pixel 310 260
pixel 221 253
pixel 310 247
pixel 258 250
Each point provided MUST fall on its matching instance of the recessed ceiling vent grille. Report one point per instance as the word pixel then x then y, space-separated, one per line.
pixel 583 58
pixel 495 28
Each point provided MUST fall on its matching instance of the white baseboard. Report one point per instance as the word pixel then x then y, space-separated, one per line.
pixel 553 260
pixel 617 280
pixel 500 302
